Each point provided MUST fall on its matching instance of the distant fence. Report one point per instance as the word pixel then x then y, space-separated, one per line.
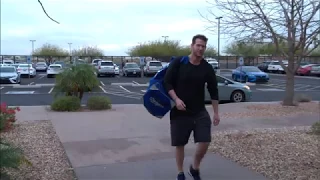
pixel 226 62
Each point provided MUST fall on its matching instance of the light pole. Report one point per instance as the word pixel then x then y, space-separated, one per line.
pixel 32 43
pixel 165 38
pixel 70 48
pixel 32 46
pixel 219 38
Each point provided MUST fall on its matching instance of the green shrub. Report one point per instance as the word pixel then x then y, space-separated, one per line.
pixel 99 103
pixel 315 128
pixel 66 103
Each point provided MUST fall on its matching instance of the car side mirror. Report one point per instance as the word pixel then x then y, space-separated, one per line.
pixel 226 82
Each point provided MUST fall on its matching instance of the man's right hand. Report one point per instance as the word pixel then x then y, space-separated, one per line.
pixel 180 104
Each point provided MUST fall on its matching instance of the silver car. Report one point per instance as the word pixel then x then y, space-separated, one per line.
pixel 131 69
pixel 152 67
pixel 9 74
pixel 26 69
pixel 41 66
pixel 231 91
pixel 315 70
pixel 105 68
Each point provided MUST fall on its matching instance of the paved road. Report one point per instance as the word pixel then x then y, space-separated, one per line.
pixel 123 90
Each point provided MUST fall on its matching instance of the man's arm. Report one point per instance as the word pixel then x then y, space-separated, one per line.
pixel 170 78
pixel 212 86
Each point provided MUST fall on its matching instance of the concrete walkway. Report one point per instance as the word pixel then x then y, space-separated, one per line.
pixel 128 143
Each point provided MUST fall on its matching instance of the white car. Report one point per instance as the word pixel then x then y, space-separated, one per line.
pixel 26 69
pixel 275 67
pixel 116 69
pixel 106 68
pixel 152 67
pixel 41 66
pixel 53 70
pixel 215 66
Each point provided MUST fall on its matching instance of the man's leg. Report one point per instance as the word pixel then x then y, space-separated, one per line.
pixel 202 136
pixel 180 133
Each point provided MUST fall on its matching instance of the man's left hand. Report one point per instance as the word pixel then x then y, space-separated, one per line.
pixel 216 119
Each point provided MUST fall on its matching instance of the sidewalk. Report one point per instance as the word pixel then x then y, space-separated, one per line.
pixel 128 143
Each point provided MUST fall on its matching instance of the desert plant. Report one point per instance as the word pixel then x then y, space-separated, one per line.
pixel 315 128
pixel 303 98
pixel 99 103
pixel 7 116
pixel 11 157
pixel 66 103
pixel 76 80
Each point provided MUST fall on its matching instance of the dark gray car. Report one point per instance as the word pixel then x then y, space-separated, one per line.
pixel 131 69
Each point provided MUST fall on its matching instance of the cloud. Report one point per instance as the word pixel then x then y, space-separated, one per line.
pixel 112 25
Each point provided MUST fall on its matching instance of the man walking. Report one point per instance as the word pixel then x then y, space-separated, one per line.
pixel 185 84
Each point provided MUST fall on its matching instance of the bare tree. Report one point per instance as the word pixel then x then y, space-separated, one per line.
pixel 45 12
pixel 291 21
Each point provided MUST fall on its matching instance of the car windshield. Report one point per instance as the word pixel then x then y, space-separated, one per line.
pixel 155 64
pixel 107 64
pixel 132 66
pixel 7 69
pixel 250 69
pixel 55 67
pixel 24 65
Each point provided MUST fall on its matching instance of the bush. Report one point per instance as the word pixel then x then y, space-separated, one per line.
pixel 303 98
pixel 66 103
pixel 99 103
pixel 7 117
pixel 315 128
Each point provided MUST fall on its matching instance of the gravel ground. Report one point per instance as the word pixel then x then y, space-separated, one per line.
pixel 43 148
pixel 278 154
pixel 276 110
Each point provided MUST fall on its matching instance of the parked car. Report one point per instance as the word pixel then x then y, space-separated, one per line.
pixel 275 67
pixel 116 69
pixel 27 69
pixel 105 68
pixel 7 61
pixel 315 70
pixel 305 70
pixel 62 63
pixel 231 91
pixel 215 66
pixel 9 74
pixel 53 70
pixel 249 74
pixel 41 66
pixel 131 69
pixel 152 67
pixel 264 66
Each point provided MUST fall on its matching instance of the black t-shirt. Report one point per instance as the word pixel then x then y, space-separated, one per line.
pixel 188 81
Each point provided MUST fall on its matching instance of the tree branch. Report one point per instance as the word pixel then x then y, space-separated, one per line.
pixel 47 13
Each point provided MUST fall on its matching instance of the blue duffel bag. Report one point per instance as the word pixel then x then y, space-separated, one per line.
pixel 156 99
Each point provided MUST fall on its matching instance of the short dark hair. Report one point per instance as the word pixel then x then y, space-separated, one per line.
pixel 199 36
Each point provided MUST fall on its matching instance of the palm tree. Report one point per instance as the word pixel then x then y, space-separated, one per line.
pixel 76 80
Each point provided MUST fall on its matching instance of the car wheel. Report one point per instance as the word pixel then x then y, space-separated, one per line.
pixel 246 79
pixel 98 75
pixel 48 76
pixel 237 96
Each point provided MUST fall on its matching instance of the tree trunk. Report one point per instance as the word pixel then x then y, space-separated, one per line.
pixel 289 97
pixel 81 94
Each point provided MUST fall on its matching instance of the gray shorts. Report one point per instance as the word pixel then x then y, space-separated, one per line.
pixel 181 127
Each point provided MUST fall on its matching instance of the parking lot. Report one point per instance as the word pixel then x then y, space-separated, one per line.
pixel 129 90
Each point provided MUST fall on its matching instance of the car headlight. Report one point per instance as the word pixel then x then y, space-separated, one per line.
pixel 247 87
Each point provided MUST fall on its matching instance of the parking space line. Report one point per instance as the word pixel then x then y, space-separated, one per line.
pixel 51 90
pixel 134 82
pixel 102 83
pixel 302 87
pixel 41 77
pixel 313 88
pixel 31 83
pixel 124 88
pixel 1 87
pixel 102 89
pixel 143 91
pixel 270 89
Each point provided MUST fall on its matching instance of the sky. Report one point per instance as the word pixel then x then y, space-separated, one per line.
pixel 112 25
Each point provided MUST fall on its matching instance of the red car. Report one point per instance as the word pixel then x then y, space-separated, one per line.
pixel 305 70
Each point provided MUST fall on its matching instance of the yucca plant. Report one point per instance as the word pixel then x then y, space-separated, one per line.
pixel 76 80
pixel 11 157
